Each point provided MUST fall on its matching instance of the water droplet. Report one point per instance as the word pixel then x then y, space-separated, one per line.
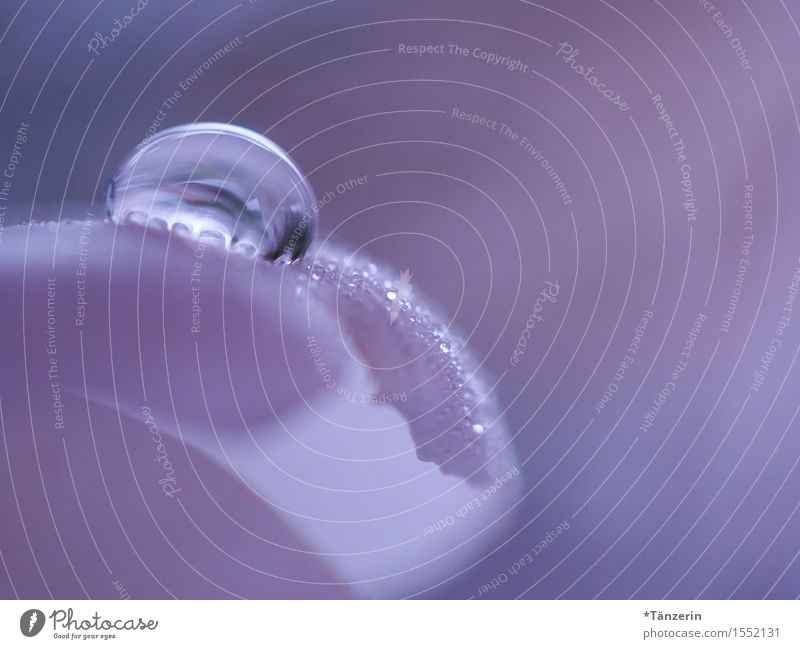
pixel 355 282
pixel 224 181
pixel 391 294
pixel 478 429
pixel 317 271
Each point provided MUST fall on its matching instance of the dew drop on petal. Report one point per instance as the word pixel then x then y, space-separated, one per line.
pixel 317 271
pixel 227 183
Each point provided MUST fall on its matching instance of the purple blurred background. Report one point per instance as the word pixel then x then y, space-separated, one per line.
pixel 558 183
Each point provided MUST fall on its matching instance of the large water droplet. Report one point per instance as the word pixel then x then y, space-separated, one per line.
pixel 226 182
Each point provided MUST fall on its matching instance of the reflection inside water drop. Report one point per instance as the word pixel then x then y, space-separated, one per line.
pixel 221 183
